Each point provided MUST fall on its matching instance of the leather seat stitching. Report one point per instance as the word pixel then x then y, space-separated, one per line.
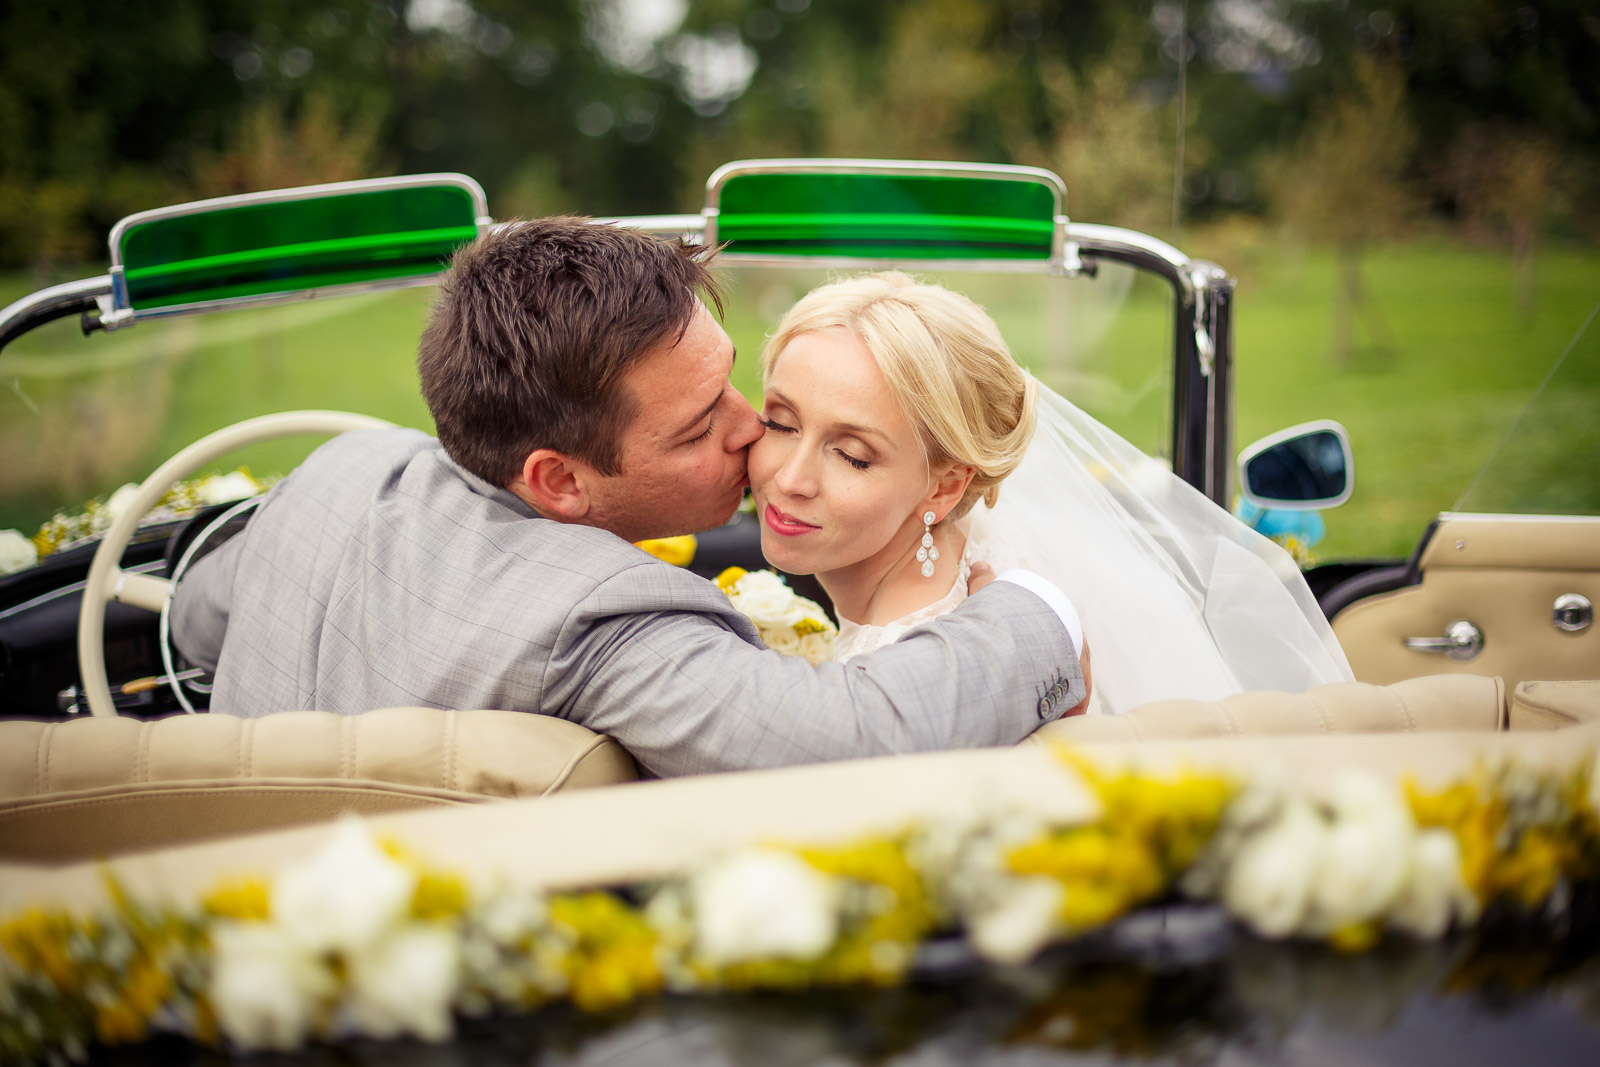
pixel 141 754
pixel 1228 717
pixel 247 748
pixel 41 756
pixel 347 729
pixel 1406 716
pixel 1324 720
pixel 10 812
pixel 572 764
pixel 450 742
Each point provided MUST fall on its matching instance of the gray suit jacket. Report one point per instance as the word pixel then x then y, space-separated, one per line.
pixel 380 573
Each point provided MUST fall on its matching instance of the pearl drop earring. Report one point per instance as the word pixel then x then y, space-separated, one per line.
pixel 927 553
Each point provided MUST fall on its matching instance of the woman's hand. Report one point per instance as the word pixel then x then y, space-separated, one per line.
pixel 979 575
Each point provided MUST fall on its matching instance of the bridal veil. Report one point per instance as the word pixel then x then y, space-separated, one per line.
pixel 1177 597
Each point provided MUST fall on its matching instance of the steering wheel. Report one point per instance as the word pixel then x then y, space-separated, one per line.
pixel 107 580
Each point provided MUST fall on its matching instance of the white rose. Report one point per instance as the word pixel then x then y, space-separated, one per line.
pixel 1435 892
pixel 817 648
pixel 403 984
pixel 766 600
pixel 344 895
pixel 119 501
pixel 226 488
pixel 1366 856
pixel 1020 923
pixel 510 917
pixel 16 551
pixel 1268 885
pixel 761 904
pixel 780 639
pixel 264 988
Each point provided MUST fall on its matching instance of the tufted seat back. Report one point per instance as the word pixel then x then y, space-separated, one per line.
pixel 99 786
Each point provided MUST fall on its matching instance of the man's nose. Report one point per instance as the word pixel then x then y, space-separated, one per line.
pixel 747 428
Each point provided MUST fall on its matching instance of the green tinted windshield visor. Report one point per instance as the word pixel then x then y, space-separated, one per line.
pixel 268 247
pixel 866 209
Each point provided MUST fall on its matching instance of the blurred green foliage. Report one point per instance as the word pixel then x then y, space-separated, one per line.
pixel 624 106
pixel 1408 191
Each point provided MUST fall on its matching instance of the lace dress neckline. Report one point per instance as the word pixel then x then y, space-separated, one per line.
pixel 857 639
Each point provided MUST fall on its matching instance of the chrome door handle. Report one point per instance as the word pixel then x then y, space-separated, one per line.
pixel 1462 641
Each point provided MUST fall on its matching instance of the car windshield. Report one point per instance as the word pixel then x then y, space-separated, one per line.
pixel 1548 463
pixel 80 417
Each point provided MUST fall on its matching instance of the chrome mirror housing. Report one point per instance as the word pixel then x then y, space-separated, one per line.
pixel 1303 468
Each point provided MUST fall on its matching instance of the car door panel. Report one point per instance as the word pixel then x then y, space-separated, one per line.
pixel 1504 575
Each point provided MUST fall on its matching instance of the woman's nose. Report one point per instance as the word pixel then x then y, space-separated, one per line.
pixel 796 475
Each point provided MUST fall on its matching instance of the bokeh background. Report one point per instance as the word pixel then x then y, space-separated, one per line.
pixel 1407 190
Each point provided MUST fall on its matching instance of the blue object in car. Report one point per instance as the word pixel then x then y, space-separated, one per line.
pixel 1282 523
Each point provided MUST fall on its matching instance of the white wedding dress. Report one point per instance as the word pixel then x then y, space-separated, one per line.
pixel 1177 597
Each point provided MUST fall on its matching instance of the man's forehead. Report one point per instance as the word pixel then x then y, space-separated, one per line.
pixel 683 376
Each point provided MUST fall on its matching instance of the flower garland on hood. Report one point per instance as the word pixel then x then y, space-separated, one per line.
pixel 364 938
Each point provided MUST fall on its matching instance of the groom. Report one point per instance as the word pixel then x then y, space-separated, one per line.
pixel 580 391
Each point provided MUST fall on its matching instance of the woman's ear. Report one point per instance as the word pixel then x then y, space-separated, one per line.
pixel 554 485
pixel 948 488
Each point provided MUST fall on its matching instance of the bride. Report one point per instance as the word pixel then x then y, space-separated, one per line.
pixel 894 412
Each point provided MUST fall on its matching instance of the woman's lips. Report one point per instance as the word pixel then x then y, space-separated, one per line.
pixel 788 526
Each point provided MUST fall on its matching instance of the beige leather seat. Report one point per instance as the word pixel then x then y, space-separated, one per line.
pixel 100 786
pixel 1440 703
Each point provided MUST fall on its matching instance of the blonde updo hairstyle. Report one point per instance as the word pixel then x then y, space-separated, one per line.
pixel 946 365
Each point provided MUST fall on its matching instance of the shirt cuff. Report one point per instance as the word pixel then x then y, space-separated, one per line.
pixel 1047 591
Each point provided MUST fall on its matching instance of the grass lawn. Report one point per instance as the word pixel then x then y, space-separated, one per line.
pixel 1444 367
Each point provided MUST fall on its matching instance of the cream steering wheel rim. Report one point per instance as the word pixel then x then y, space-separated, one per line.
pixel 107 580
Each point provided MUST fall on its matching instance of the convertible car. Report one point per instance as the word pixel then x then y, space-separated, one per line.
pixel 310 299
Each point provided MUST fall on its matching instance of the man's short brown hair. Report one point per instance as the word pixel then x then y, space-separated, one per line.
pixel 535 325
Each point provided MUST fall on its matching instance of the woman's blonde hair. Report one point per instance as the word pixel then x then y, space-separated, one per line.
pixel 946 365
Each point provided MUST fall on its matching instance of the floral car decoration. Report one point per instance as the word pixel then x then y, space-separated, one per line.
pixel 364 938
pixel 66 529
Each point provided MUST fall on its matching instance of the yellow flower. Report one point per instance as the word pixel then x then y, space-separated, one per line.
pixel 239 900
pixel 729 578
pixel 614 959
pixel 38 940
pixel 438 896
pixel 1356 937
pixel 678 551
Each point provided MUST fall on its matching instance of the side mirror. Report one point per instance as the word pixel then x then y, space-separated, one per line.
pixel 1304 468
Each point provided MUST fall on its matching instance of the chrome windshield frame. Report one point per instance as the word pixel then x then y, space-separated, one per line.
pixel 1202 325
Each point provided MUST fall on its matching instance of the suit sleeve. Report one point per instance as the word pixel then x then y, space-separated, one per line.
pixel 690 690
pixel 201 604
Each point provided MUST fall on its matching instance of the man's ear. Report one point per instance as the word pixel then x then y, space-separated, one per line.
pixel 554 485
pixel 948 488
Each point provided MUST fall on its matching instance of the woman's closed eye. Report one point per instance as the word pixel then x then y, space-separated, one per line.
pixel 774 426
pixel 858 464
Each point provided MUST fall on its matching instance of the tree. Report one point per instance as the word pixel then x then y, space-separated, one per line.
pixel 1346 183
pixel 1112 142
pixel 1511 180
